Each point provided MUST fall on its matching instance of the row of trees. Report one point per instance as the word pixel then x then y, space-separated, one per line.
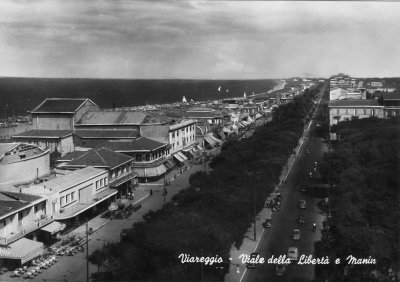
pixel 215 212
pixel 366 218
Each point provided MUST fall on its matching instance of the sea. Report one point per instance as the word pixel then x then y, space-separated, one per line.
pixel 18 96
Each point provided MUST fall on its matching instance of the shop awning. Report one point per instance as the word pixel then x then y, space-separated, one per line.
pixel 209 140
pixel 54 227
pixel 151 171
pixel 182 156
pixel 216 139
pixel 169 164
pixel 22 249
pixel 179 158
pixel 220 134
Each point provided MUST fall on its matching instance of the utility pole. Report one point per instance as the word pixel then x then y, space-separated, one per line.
pixel 87 251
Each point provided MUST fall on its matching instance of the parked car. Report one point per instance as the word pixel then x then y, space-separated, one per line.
pixel 267 223
pixel 293 253
pixel 280 269
pixel 301 219
pixel 302 204
pixel 296 234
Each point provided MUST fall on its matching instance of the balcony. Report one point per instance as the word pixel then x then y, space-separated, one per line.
pixel 24 230
pixel 147 164
pixel 122 179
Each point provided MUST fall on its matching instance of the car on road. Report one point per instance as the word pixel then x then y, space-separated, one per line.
pixel 280 269
pixel 293 253
pixel 296 234
pixel 301 219
pixel 253 257
pixel 267 223
pixel 302 204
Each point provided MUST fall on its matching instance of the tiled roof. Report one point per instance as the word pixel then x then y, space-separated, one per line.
pixel 60 105
pixel 108 134
pixel 354 103
pixel 121 118
pixel 21 196
pixel 141 144
pixel 71 155
pixel 11 201
pixel 10 206
pixel 44 133
pixel 102 157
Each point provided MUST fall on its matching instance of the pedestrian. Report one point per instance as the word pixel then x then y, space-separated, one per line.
pixel 132 196
pixel 151 192
pixel 129 195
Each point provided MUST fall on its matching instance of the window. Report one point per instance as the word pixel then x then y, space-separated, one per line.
pixel 72 196
pixel 101 182
pixel 62 201
pixel 105 181
pixel 67 198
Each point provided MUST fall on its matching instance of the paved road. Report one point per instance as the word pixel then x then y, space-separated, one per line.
pixel 277 240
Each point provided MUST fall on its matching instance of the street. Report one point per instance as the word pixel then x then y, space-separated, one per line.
pixel 276 240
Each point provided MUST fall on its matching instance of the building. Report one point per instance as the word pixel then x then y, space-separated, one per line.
pixel 342 110
pixel 60 141
pixel 94 137
pixel 147 125
pixel 119 167
pixel 61 113
pixel 21 162
pixel 150 156
pixel 21 216
pixel 182 136
pixel 80 191
pixel 209 115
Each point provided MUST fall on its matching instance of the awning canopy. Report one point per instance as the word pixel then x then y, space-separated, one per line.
pixel 209 140
pixel 179 158
pixel 216 139
pixel 54 227
pixel 169 164
pixel 22 249
pixel 182 156
pixel 220 134
pixel 151 171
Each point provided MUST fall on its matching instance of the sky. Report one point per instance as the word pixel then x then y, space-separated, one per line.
pixel 198 39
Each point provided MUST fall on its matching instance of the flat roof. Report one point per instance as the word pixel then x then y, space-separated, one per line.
pixel 76 177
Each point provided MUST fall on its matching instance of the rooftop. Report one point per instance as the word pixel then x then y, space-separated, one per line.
pixel 101 157
pixel 44 133
pixel 141 144
pixel 354 103
pixel 60 105
pixel 121 118
pixel 66 181
pixel 107 134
